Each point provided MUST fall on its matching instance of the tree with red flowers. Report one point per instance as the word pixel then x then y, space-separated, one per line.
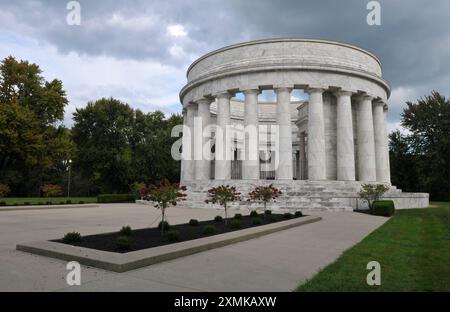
pixel 264 194
pixel 223 195
pixel 164 195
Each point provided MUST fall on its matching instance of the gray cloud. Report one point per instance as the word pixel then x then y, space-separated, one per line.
pixel 413 41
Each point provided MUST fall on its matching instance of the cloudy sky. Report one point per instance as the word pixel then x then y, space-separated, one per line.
pixel 138 51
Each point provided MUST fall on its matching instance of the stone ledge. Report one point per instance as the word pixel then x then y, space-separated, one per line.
pixel 137 259
pixel 46 207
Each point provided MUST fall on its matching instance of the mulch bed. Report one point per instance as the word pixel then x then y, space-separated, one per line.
pixel 151 237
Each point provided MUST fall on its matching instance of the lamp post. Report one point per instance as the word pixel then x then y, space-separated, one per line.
pixel 68 163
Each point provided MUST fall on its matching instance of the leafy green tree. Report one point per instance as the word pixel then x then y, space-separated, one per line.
pixel 30 107
pixel 102 133
pixel 403 162
pixel 426 148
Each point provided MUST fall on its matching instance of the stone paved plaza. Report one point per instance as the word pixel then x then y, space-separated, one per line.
pixel 276 262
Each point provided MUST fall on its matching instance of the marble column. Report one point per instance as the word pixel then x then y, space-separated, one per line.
pixel 223 148
pixel 316 135
pixel 386 145
pixel 365 139
pixel 188 144
pixel 381 159
pixel 302 156
pixel 250 164
pixel 345 146
pixel 202 155
pixel 284 161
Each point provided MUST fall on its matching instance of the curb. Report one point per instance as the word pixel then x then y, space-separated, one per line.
pixel 118 262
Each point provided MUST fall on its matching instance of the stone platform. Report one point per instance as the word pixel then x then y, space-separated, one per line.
pixel 301 195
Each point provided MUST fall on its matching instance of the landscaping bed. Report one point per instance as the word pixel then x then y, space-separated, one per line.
pixel 151 237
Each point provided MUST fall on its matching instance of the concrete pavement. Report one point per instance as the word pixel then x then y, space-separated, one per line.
pixel 276 262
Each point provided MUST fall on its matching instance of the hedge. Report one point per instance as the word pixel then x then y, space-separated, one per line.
pixel 383 208
pixel 116 198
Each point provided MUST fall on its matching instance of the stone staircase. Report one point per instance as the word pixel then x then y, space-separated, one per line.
pixel 296 195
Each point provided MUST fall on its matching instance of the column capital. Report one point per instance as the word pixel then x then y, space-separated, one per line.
pixel 341 92
pixel 379 102
pixel 315 90
pixel 191 105
pixel 282 89
pixel 224 95
pixel 205 101
pixel 252 91
pixel 365 97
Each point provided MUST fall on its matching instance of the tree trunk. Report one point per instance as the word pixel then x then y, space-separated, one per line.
pixel 162 222
pixel 226 215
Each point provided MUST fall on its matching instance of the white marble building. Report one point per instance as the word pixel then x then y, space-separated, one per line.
pixel 326 146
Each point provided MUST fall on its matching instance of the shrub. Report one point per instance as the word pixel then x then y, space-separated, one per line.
pixel 235 224
pixel 165 195
pixel 267 212
pixel 48 202
pixel 40 203
pixel 123 242
pixel 163 225
pixel 238 216
pixel 68 201
pixel 209 230
pixel 2 203
pixel 26 203
pixel 272 218
pixel 298 213
pixel 51 190
pixel 173 235
pixel 257 221
pixel 193 222
pixel 72 237
pixel 126 231
pixel 4 190
pixel 81 202
pixel 383 208
pixel 223 195
pixel 115 198
pixel 287 215
pixel 136 188
pixel 372 192
pixel 253 213
pixel 218 218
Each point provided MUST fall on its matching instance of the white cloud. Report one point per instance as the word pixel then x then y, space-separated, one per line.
pixel 176 31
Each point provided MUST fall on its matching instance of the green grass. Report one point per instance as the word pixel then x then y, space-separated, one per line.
pixel 413 249
pixel 55 200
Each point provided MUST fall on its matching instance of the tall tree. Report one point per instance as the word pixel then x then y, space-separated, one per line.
pixel 428 119
pixel 426 149
pixel 102 133
pixel 30 107
pixel 118 146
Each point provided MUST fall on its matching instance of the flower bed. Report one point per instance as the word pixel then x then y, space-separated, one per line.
pixel 151 237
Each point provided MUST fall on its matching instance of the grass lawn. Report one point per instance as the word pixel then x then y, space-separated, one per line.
pixel 413 249
pixel 43 200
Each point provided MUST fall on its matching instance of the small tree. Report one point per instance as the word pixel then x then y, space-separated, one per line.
pixel 372 192
pixel 4 190
pixel 51 190
pixel 223 195
pixel 264 194
pixel 164 195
